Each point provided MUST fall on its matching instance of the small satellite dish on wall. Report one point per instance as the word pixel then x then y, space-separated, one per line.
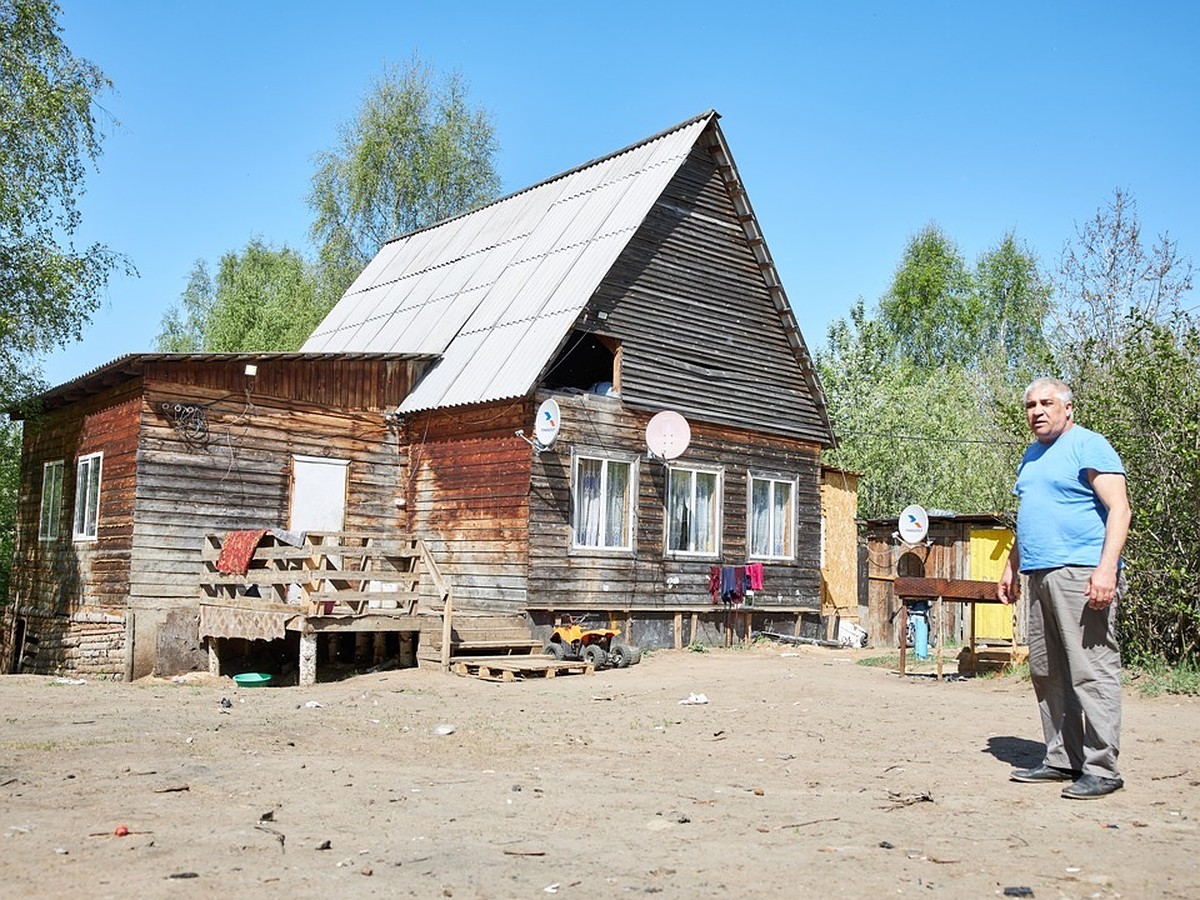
pixel 668 435
pixel 547 424
pixel 914 524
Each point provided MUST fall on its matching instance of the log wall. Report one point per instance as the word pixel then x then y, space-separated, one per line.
pixel 70 595
pixel 646 583
pixel 190 447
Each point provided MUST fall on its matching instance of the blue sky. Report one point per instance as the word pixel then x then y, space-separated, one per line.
pixel 853 124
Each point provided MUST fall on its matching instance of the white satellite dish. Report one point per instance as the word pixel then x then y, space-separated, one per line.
pixel 914 524
pixel 547 424
pixel 668 435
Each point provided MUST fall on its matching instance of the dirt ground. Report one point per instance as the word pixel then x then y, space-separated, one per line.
pixel 803 774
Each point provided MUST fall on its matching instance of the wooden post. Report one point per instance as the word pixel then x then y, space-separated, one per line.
pixel 308 657
pixel 971 641
pixel 447 631
pixel 214 656
pixel 379 648
pixel 903 633
pixel 678 631
pixel 941 635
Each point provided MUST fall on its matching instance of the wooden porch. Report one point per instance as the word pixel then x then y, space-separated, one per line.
pixel 322 583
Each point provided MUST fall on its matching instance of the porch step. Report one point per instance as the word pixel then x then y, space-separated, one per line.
pixel 473 635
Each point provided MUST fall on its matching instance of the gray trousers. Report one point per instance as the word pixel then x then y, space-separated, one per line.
pixel 1075 666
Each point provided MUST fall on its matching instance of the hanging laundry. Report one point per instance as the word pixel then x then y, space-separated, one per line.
pixel 714 583
pixel 732 589
pixel 754 576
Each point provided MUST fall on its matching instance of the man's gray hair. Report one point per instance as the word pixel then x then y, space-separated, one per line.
pixel 1061 389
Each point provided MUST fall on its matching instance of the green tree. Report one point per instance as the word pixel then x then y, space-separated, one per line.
pixel 1106 276
pixel 1145 397
pixel 416 153
pixel 916 434
pixel 932 309
pixel 1132 354
pixel 1015 300
pixel 48 136
pixel 184 324
pixel 265 299
pixel 921 394
pixel 262 298
pixel 48 288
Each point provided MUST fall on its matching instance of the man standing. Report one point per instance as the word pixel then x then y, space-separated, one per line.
pixel 1071 528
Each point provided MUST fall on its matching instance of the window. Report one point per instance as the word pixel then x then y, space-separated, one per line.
pixel 772 518
pixel 602 494
pixel 87 496
pixel 693 511
pixel 52 480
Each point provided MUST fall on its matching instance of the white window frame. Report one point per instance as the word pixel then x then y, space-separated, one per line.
pixel 50 513
pixel 715 528
pixel 581 506
pixel 773 481
pixel 86 520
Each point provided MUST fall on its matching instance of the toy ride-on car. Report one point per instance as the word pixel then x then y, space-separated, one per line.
pixel 591 643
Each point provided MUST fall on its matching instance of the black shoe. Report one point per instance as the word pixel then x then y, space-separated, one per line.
pixel 1091 787
pixel 1043 773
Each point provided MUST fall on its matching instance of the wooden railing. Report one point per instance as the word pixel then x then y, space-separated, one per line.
pixel 328 574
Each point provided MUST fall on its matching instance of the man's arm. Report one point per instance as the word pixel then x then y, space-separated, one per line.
pixel 1006 588
pixel 1110 488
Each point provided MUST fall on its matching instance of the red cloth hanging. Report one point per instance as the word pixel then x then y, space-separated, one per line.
pixel 237 550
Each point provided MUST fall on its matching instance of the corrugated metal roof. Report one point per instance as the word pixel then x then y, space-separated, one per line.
pixel 131 365
pixel 494 291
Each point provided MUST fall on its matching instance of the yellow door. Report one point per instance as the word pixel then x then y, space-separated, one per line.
pixel 989 551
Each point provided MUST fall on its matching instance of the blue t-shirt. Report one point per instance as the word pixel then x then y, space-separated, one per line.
pixel 1061 519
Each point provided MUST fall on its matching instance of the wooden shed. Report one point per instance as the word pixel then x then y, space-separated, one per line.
pixel 634 284
pixel 958 546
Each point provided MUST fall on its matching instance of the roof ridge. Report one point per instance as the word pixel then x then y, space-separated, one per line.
pixel 709 114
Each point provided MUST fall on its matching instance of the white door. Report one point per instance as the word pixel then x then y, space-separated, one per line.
pixel 318 493
pixel 318 500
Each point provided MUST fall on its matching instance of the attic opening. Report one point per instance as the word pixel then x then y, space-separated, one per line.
pixel 589 362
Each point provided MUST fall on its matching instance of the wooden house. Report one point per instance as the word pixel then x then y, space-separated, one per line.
pixel 634 284
pixel 125 471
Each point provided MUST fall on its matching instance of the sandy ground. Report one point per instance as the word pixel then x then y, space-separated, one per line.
pixel 803 775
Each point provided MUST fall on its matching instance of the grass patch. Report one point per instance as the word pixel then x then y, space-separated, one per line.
pixel 1156 679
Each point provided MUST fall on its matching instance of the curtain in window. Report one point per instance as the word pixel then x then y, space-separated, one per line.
pixel 705 537
pixel 760 517
pixel 589 505
pixel 617 506
pixel 679 496
pixel 782 518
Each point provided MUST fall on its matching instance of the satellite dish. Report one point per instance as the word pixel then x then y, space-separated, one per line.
pixel 547 424
pixel 914 524
pixel 668 435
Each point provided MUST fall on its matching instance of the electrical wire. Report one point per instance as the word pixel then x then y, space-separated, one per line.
pixel 939 440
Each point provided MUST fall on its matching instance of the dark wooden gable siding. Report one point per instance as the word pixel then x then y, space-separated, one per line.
pixel 564 578
pixel 699 330
pixel 71 594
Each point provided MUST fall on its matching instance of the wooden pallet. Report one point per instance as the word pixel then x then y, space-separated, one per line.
pixel 509 668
